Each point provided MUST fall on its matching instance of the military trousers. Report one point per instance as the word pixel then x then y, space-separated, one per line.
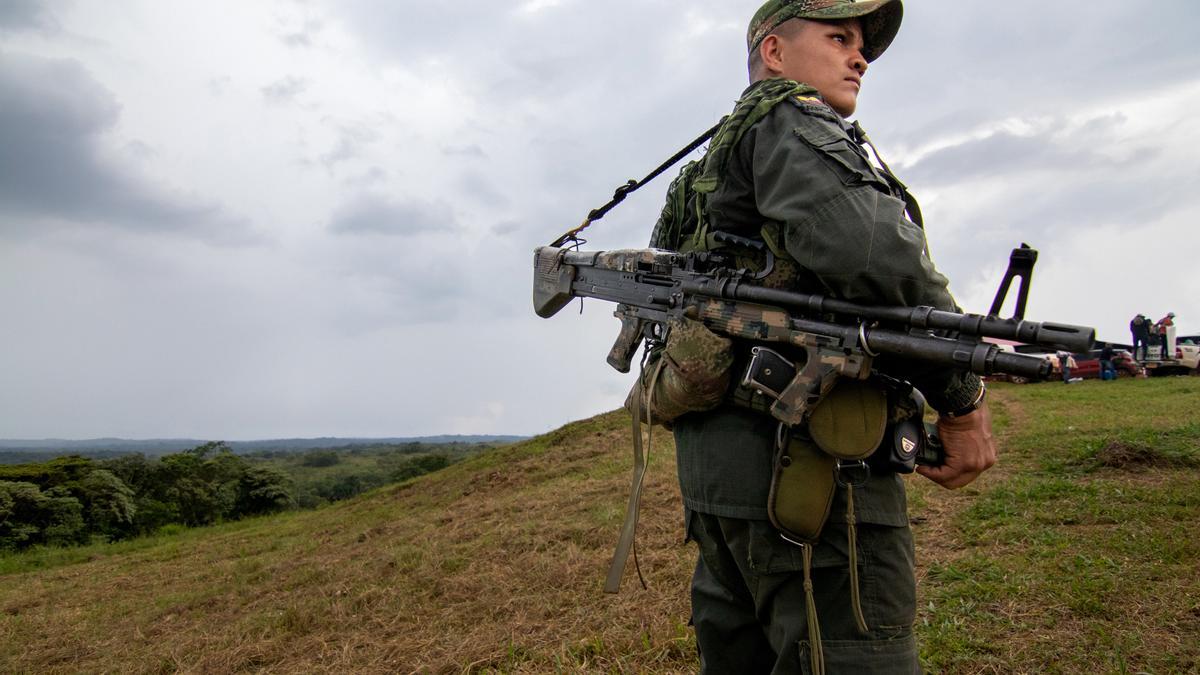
pixel 748 600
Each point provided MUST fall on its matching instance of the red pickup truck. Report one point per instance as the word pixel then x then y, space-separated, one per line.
pixel 1087 365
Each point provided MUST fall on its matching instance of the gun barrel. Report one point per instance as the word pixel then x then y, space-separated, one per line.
pixel 982 358
pixel 1049 335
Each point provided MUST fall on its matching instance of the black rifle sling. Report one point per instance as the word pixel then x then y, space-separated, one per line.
pixel 631 185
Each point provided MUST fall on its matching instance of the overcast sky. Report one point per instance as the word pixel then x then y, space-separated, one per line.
pixel 239 220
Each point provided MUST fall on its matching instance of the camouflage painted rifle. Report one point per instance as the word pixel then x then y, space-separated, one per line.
pixel 832 337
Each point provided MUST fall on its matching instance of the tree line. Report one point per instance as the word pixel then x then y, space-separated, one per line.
pixel 75 500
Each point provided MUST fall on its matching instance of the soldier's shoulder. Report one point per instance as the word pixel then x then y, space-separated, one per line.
pixel 810 104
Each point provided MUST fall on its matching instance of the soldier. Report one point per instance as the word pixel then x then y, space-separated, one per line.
pixel 787 169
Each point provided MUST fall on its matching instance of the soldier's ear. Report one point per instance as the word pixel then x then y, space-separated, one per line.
pixel 770 53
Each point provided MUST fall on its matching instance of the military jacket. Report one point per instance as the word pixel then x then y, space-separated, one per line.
pixel 800 178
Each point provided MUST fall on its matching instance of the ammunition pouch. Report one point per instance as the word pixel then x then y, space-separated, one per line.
pixel 802 488
pixel 848 424
pixel 850 421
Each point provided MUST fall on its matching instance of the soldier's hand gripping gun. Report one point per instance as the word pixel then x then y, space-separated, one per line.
pixel 832 337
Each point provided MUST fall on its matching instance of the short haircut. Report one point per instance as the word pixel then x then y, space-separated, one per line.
pixel 786 30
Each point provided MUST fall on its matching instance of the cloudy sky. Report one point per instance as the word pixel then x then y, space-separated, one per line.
pixel 245 220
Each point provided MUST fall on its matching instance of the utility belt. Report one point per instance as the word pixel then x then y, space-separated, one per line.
pixel 878 420
pixel 858 428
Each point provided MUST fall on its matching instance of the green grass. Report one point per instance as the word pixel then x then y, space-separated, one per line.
pixel 1077 561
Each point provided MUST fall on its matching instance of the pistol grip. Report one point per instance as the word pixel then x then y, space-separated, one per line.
pixel 626 344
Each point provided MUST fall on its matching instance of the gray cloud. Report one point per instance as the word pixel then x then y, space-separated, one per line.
pixel 375 214
pixel 417 29
pixel 53 171
pixel 505 228
pixel 21 15
pixel 217 86
pixel 352 139
pixel 1060 178
pixel 371 176
pixel 302 37
pixel 1005 153
pixel 506 127
pixel 471 150
pixel 482 189
pixel 285 90
pixel 1027 58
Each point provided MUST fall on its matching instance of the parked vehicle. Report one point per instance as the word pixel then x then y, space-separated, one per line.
pixel 1087 365
pixel 1185 360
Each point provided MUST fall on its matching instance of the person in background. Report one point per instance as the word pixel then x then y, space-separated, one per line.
pixel 1140 332
pixel 1163 327
pixel 1066 361
pixel 1108 371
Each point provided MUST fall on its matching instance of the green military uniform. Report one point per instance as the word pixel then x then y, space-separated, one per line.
pixel 789 170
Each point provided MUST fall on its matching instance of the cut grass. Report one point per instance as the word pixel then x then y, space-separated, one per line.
pixel 1067 557
pixel 1084 556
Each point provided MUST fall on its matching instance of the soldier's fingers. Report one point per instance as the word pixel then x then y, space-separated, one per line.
pixel 948 477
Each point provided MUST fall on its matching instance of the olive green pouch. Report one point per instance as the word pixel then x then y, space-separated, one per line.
pixel 801 490
pixel 849 422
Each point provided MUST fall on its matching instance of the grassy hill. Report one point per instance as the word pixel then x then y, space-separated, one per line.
pixel 1078 553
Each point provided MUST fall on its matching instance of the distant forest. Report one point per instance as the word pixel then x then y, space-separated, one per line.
pixel 14 451
pixel 74 499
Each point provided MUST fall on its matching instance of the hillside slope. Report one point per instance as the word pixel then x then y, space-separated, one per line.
pixel 1077 553
pixel 495 562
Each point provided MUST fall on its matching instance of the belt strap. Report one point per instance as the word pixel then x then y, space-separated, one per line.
pixel 625 543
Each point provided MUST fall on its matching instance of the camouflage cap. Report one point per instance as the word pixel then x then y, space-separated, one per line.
pixel 880 19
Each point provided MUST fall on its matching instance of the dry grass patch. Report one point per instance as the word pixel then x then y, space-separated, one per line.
pixel 494 564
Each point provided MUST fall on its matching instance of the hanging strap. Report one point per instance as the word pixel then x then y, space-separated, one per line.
pixel 852 544
pixel 816 653
pixel 625 543
pixel 631 185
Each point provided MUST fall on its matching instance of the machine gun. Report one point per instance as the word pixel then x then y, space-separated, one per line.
pixel 829 337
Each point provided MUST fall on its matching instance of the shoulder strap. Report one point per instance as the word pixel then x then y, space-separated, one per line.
pixel 631 185
pixel 754 105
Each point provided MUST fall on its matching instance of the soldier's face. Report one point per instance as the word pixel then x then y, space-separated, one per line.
pixel 826 55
